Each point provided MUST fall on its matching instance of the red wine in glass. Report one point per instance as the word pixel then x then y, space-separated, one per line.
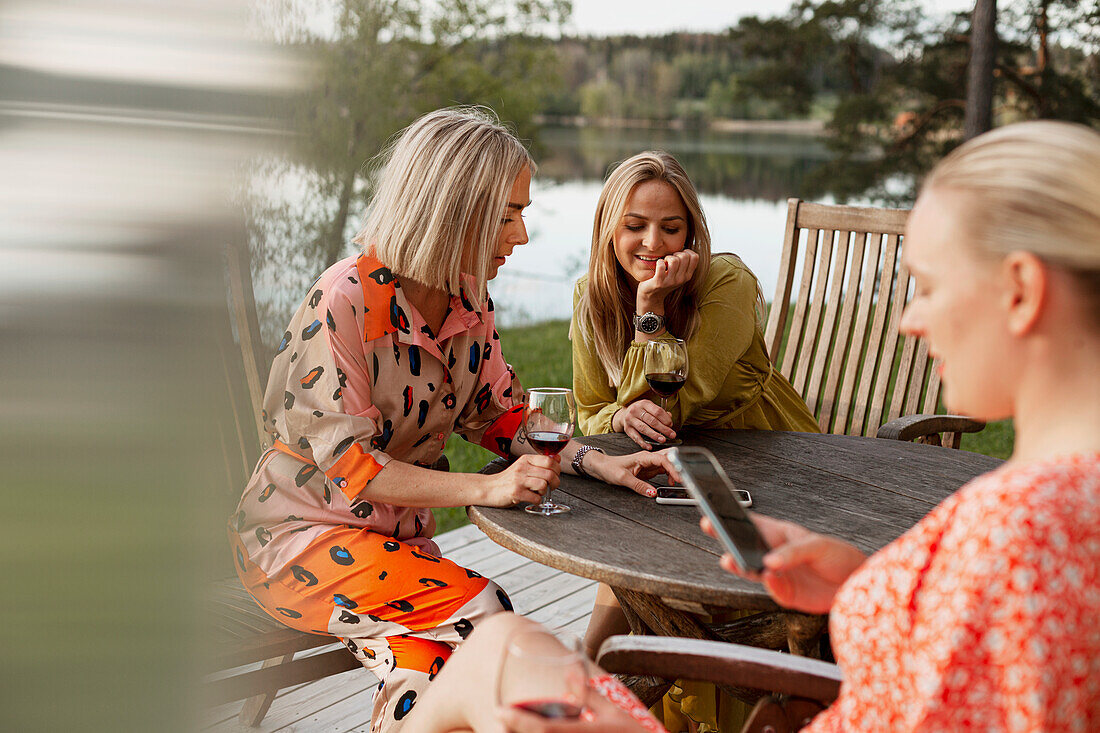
pixel 549 418
pixel 551 709
pixel 666 367
pixel 665 384
pixel 548 443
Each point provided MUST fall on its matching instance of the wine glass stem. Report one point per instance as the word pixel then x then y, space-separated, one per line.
pixel 664 403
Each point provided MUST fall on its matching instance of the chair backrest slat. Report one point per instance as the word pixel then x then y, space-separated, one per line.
pixel 838 341
pixel 827 342
pixel 810 339
pixel 872 354
pixel 918 379
pixel 797 331
pixel 887 360
pixel 777 317
pixel 932 391
pixel 247 327
pixel 866 289
pixel 842 344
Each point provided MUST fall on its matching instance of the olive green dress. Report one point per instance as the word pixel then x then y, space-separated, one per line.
pixel 731 382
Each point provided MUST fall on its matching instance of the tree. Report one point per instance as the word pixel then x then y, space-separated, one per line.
pixel 901 83
pixel 979 75
pixel 385 63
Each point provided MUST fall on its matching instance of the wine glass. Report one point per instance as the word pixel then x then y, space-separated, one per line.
pixel 543 675
pixel 666 368
pixel 549 417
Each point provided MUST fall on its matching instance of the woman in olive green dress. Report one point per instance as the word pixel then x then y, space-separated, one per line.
pixel 650 277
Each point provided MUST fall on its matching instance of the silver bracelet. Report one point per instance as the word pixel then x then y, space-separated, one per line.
pixel 579 456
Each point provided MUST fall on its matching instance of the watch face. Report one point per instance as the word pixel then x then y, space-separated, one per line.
pixel 649 323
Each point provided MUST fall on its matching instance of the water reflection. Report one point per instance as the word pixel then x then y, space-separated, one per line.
pixel 745 166
pixel 744 182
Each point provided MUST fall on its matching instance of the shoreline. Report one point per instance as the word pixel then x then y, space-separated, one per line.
pixel 809 128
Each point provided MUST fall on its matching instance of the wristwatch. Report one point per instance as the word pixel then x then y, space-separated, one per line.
pixel 579 456
pixel 649 322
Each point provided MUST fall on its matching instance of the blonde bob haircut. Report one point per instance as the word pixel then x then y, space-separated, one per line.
pixel 1035 188
pixel 606 308
pixel 441 196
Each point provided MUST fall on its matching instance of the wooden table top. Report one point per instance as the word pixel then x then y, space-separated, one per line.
pixel 865 490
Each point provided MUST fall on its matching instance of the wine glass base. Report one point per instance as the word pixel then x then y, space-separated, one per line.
pixel 547 509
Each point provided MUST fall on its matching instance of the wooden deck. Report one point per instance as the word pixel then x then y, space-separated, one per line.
pixel 343 702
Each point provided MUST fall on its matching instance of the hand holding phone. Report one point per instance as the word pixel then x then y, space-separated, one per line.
pixel 708 484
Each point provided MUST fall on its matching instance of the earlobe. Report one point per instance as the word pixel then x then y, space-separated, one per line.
pixel 1026 283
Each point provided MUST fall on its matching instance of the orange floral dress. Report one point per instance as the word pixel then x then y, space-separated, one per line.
pixel 985 616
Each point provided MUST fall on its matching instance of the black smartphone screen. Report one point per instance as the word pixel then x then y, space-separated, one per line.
pixel 700 471
pixel 672 492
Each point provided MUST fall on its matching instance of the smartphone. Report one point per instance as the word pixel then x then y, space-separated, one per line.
pixel 708 484
pixel 674 495
pixel 680 495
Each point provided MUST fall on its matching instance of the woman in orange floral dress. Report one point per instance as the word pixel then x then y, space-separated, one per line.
pixel 986 615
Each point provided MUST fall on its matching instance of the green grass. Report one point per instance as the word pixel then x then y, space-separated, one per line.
pixel 541 356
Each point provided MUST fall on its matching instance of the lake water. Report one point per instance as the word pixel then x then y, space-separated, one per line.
pixel 744 181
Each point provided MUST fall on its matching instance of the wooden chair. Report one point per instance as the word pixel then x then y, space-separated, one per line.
pixel 243 633
pixel 799 687
pixel 838 345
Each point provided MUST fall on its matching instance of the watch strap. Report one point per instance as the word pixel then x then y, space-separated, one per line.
pixel 579 456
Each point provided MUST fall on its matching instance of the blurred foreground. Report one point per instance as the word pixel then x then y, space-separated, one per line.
pixel 122 128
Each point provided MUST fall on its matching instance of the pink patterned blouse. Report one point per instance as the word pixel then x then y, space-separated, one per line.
pixel 985 616
pixel 358 380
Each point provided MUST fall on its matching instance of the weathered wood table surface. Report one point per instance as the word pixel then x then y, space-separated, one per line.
pixel 665 571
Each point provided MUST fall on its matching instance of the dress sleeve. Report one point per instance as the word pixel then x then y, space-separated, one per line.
pixel 495 412
pixel 326 403
pixel 727 323
pixel 595 397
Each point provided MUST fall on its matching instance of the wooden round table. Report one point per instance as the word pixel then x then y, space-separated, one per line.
pixel 665 571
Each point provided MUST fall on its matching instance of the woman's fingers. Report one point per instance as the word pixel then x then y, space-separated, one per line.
pixel 707 527
pixel 730 565
pixel 637 437
pixel 648 432
pixel 655 423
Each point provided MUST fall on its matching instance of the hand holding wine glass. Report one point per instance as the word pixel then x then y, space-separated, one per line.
pixel 549 418
pixel 666 368
pixel 542 675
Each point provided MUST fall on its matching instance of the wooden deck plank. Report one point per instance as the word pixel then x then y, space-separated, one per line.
pixel 350 713
pixel 343 702
pixel 456 538
pixel 548 592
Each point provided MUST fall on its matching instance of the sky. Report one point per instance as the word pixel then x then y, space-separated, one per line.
pixel 650 17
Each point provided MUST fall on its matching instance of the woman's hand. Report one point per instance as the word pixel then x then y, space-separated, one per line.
pixel 601 716
pixel 630 470
pixel 527 479
pixel 645 423
pixel 803 570
pixel 671 272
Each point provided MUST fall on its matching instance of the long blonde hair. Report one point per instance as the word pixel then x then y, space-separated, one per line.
pixel 442 190
pixel 1036 188
pixel 606 308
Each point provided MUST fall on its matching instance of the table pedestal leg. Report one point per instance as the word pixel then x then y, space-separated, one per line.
pixel 798 632
pixel 657 617
pixel 647 689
